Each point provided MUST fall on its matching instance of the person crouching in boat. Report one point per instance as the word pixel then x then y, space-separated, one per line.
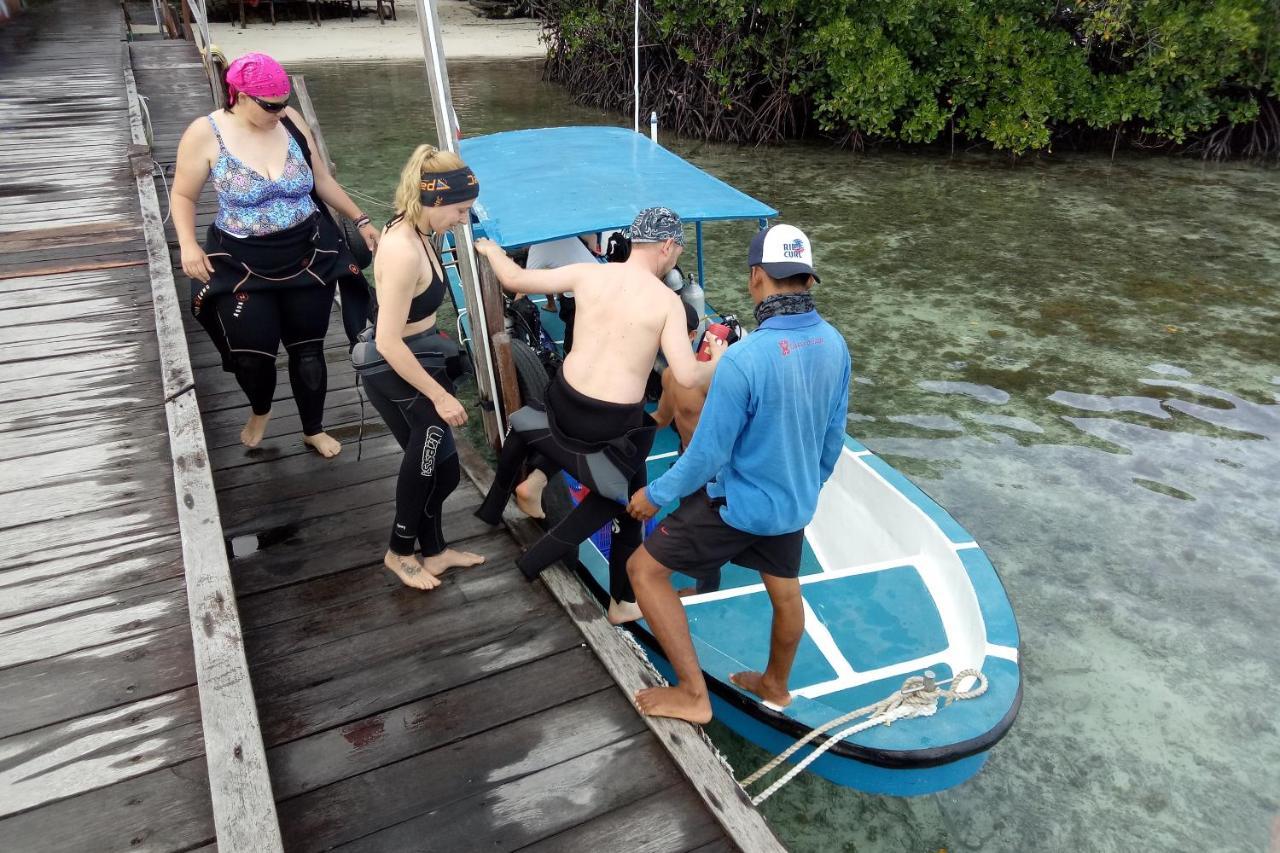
pixel 594 425
pixel 267 270
pixel 770 434
pixel 408 368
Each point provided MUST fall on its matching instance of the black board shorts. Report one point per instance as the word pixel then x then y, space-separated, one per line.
pixel 696 541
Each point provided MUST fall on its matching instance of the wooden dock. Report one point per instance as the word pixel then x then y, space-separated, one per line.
pixel 101 742
pixel 485 714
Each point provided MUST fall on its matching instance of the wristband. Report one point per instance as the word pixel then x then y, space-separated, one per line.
pixel 363 220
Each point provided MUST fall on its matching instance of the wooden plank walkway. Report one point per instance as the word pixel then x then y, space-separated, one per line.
pixel 471 717
pixel 101 739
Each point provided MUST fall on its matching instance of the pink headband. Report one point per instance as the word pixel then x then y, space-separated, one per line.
pixel 258 75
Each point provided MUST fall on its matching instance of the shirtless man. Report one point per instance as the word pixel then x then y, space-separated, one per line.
pixel 595 426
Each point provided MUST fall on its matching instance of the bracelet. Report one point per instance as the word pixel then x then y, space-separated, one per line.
pixel 363 220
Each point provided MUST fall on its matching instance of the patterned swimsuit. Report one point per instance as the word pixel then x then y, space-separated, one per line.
pixel 250 204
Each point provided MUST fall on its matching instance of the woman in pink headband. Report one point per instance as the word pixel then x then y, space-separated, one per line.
pixel 268 267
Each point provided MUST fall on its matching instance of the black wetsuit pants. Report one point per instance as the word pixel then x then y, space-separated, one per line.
pixel 592 421
pixel 255 323
pixel 429 471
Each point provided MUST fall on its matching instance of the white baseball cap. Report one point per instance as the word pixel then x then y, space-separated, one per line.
pixel 783 251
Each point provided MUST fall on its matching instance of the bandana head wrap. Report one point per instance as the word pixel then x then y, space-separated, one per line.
pixel 656 225
pixel 258 75
pixel 453 187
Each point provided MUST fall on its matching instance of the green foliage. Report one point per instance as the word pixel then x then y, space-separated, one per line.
pixel 1014 74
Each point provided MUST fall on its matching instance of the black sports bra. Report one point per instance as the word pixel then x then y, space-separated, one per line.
pixel 428 301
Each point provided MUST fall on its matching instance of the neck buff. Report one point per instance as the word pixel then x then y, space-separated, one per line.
pixel 258 75
pixel 782 304
pixel 454 187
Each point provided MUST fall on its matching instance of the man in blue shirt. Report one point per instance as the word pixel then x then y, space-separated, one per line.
pixel 771 431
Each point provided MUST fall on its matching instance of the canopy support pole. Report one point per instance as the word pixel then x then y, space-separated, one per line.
pixel 446 131
pixel 697 229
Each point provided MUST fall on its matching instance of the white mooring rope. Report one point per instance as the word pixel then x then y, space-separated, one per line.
pixel 918 697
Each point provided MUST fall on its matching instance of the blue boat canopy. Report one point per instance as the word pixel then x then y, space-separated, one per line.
pixel 549 183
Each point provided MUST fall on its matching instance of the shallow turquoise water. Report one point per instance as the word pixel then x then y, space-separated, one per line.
pixel 1079 359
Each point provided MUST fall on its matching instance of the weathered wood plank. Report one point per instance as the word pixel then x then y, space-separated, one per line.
pixel 532 807
pixel 90 528
pixel 116 460
pixel 92 680
pixel 103 571
pixel 669 820
pixel 327 689
pixel 74 407
pixel 395 615
pixel 303 549
pixel 336 502
pixel 240 482
pixel 130 347
pixel 436 721
pixel 222 429
pixel 342 589
pixel 44 289
pixel 593 730
pixel 104 487
pixel 34 441
pixel 66 759
pixel 139 353
pixel 161 812
pixel 92 622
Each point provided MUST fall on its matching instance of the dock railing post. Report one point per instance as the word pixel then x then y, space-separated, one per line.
pixel 446 132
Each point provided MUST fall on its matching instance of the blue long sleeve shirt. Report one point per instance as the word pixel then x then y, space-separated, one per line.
pixel 772 427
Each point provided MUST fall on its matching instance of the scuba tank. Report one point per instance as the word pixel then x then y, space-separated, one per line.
pixel 693 294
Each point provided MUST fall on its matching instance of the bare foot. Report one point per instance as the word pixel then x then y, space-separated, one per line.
pixel 754 682
pixel 254 429
pixel 529 494
pixel 324 444
pixel 447 559
pixel 410 571
pixel 623 611
pixel 674 702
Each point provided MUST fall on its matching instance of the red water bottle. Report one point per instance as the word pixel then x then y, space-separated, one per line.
pixel 715 330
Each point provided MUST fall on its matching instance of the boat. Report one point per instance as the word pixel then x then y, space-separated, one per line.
pixel 894 587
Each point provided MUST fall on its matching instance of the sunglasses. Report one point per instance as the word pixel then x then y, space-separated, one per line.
pixel 269 106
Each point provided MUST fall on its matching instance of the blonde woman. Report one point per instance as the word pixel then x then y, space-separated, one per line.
pixel 407 370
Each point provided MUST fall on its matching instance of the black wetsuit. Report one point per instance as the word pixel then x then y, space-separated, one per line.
pixel 429 472
pixel 602 445
pixel 267 290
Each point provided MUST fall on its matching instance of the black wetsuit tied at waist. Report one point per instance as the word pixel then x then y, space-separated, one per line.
pixel 601 444
pixel 307 257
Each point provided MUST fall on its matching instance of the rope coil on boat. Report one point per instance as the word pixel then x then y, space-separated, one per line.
pixel 918 697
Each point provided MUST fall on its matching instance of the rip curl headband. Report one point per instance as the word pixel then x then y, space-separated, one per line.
pixel 257 75
pixel 453 187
